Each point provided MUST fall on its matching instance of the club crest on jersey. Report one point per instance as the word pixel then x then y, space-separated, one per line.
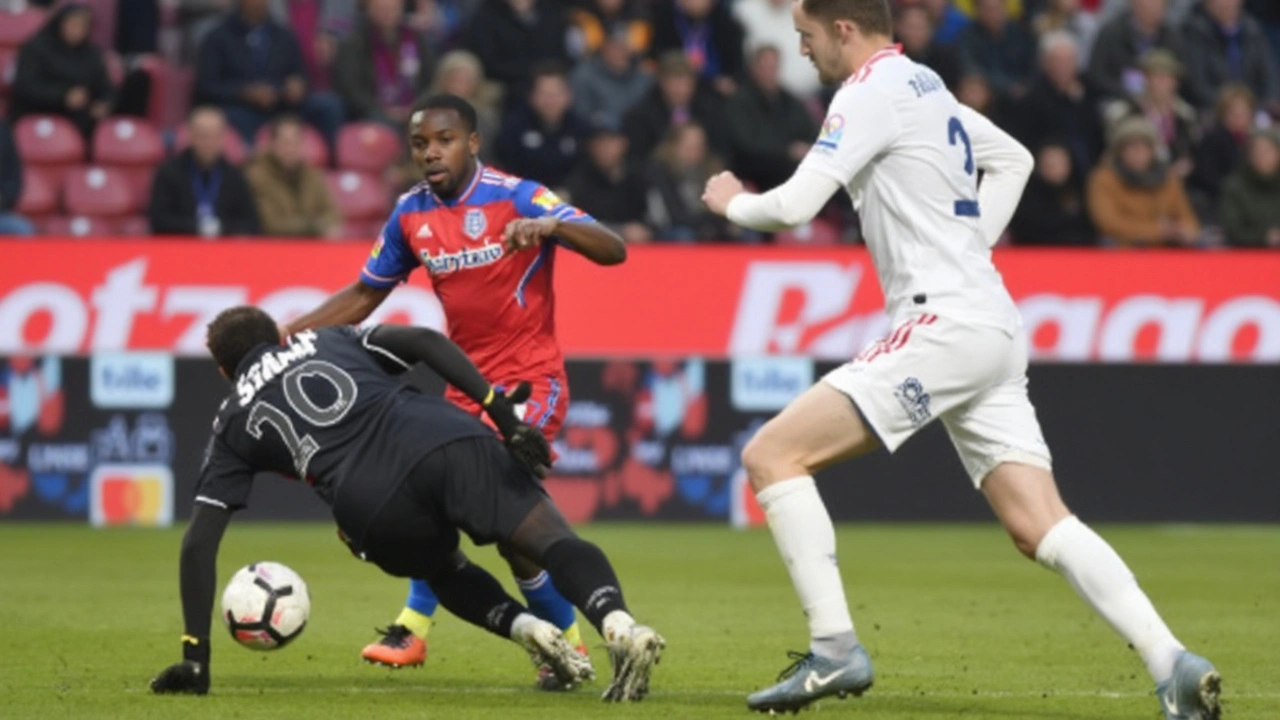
pixel 474 223
pixel 914 400
pixel 832 131
pixel 546 199
pixel 466 258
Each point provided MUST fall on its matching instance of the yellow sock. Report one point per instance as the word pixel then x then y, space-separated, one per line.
pixel 417 623
pixel 573 635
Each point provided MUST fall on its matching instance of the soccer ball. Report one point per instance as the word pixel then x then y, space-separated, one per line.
pixel 265 606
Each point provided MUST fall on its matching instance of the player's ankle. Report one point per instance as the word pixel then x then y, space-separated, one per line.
pixel 418 623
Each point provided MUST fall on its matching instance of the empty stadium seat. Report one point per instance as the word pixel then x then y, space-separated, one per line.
pixel 77 226
pixel 39 194
pixel 361 197
pixel 50 141
pixel 134 226
pixel 315 152
pixel 16 27
pixel 367 146
pixel 361 229
pixel 98 192
pixel 131 145
pixel 232 146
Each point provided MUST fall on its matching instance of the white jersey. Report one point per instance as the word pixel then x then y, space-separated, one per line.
pixel 904 148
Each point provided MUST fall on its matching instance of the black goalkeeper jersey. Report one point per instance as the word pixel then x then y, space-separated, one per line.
pixel 327 409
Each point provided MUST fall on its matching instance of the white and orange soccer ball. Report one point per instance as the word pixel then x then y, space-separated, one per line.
pixel 265 606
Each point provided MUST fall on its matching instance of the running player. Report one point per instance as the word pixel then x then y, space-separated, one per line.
pixel 403 473
pixel 488 242
pixel 908 154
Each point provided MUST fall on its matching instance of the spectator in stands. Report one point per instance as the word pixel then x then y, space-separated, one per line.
pixel 1133 198
pixel 677 99
pixel 1053 210
pixel 1061 104
pixel 511 37
pixel 607 186
pixel 383 67
pixel 252 68
pixel 913 30
pixel 1251 195
pixel 771 130
pixel 1222 147
pixel 708 35
pixel 1068 16
pixel 1267 12
pixel 11 223
pixel 292 198
pixel 320 26
pixel 678 178
pixel 1228 46
pixel 1113 68
pixel 197 192
pixel 1174 119
pixel 1000 48
pixel 947 21
pixel 460 73
pixel 137 27
pixel 595 22
pixel 769 22
pixel 541 140
pixel 974 90
pixel 61 72
pixel 440 21
pixel 610 82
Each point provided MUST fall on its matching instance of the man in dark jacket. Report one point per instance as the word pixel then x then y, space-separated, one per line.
pixel 252 68
pixel 1226 45
pixel 916 33
pixel 11 223
pixel 770 129
pixel 61 72
pixel 707 33
pixel 540 139
pixel 1251 195
pixel 383 67
pixel 197 192
pixel 1061 104
pixel 609 187
pixel 511 37
pixel 677 99
pixel 1003 50
pixel 1113 67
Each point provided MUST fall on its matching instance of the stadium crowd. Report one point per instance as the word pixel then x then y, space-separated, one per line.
pixel 1151 120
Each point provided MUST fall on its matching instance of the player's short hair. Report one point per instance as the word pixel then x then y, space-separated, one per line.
pixel 446 101
pixel 873 17
pixel 236 331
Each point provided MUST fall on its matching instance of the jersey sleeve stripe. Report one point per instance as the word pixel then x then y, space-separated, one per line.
pixel 206 500
pixel 383 352
pixel 378 279
pixel 543 253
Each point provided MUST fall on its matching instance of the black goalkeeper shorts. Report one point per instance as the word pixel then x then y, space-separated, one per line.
pixel 471 485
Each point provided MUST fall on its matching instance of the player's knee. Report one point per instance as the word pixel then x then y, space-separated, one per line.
pixel 762 458
pixel 1025 545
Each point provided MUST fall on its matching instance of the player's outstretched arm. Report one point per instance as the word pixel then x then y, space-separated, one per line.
pixel 795 202
pixel 593 241
pixel 197 579
pixel 349 306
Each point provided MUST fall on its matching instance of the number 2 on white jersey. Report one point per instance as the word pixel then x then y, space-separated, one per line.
pixel 956 131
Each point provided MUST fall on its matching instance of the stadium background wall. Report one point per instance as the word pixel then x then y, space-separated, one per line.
pixel 107 438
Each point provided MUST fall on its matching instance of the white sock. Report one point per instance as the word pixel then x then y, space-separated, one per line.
pixel 522 625
pixel 806 540
pixel 615 624
pixel 1100 577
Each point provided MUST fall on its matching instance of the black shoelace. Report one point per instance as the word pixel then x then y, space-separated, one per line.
pixel 801 659
pixel 395 635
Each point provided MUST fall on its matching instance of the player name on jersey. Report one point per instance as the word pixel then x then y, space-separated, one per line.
pixel 272 364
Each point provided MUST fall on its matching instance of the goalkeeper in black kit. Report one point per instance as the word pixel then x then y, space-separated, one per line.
pixel 404 472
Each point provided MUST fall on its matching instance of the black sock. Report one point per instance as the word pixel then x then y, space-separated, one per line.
pixel 585 578
pixel 474 595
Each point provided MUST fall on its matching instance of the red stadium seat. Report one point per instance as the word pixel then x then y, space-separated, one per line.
pixel 99 193
pixel 17 27
pixel 50 141
pixel 314 150
pixel 368 147
pixel 71 226
pixel 232 146
pixel 39 193
pixel 8 67
pixel 131 145
pixel 360 196
pixel 135 226
pixel 361 229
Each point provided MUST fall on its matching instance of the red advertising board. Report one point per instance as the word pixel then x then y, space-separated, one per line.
pixel 1080 305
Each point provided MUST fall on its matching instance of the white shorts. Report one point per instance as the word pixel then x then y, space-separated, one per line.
pixel 972 377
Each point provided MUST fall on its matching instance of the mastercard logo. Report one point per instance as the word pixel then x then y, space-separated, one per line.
pixel 131 495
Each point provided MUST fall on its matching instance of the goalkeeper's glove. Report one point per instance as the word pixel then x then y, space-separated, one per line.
pixel 191 676
pixel 525 442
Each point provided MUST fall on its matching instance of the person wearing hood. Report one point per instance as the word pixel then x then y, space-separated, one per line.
pixel 1251 195
pixel 292 198
pixel 1052 212
pixel 60 72
pixel 1134 198
pixel 383 67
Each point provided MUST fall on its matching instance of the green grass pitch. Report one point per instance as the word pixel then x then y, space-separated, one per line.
pixel 957 624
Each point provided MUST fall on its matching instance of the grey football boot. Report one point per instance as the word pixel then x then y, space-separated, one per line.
pixel 1191 693
pixel 812 677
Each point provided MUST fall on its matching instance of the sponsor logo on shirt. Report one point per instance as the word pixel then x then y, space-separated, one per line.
pixel 424 232
pixel 832 131
pixel 446 263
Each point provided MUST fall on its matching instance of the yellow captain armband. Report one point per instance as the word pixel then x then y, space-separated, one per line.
pixel 190 640
pixel 488 398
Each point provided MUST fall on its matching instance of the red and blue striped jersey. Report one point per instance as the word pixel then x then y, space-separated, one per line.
pixel 500 306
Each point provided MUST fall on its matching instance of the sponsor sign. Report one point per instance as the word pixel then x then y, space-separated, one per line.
pixel 768 383
pixel 135 495
pixel 131 379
